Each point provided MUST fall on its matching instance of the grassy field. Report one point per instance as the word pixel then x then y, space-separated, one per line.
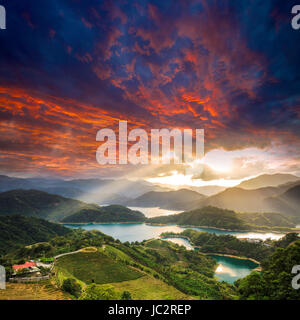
pixel 149 288
pixel 32 291
pixel 97 267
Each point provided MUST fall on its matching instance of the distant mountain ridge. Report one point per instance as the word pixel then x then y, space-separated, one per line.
pixel 104 191
pixel 268 180
pixel 238 199
pixel 171 200
pixel 287 202
pixel 279 199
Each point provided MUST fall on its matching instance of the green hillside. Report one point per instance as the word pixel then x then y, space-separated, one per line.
pixel 55 208
pixel 267 219
pixel 16 231
pixel 150 288
pixel 113 213
pixel 188 273
pixel 96 267
pixel 39 204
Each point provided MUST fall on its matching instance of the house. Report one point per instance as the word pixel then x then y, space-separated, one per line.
pixel 27 267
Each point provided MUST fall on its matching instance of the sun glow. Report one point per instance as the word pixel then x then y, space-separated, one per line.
pixel 179 179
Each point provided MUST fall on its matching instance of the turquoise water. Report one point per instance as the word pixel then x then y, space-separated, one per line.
pixel 230 269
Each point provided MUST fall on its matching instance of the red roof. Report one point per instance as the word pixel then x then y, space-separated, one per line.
pixel 23 266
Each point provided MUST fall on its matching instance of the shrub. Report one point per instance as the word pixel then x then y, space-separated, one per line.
pixel 126 295
pixel 72 286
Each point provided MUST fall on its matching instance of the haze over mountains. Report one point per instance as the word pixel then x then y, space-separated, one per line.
pixel 106 191
pixel 268 180
pixel 282 198
pixel 180 199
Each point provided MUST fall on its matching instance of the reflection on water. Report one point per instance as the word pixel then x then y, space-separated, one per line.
pixel 154 212
pixel 230 269
pixel 181 242
pixel 226 270
pixel 262 236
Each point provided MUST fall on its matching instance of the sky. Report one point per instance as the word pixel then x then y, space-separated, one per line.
pixel 69 68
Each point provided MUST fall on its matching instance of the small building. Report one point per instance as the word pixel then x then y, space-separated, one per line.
pixel 27 267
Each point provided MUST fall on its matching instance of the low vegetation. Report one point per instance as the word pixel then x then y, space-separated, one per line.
pixel 33 291
pixel 150 288
pixel 96 268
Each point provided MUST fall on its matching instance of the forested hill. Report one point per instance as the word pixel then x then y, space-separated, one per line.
pixel 113 213
pixel 16 231
pixel 39 204
pixel 55 208
pixel 208 216
pixel 226 219
pixel 275 280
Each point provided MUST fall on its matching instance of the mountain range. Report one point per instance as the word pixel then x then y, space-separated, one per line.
pixel 268 180
pixel 282 198
pixel 101 191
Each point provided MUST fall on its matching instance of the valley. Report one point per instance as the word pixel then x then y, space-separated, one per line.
pixel 148 250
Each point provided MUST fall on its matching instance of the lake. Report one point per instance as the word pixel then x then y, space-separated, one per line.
pixel 229 269
pixel 141 231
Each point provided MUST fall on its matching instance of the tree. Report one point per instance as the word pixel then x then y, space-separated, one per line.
pixel 99 292
pixel 126 295
pixel 274 283
pixel 72 286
